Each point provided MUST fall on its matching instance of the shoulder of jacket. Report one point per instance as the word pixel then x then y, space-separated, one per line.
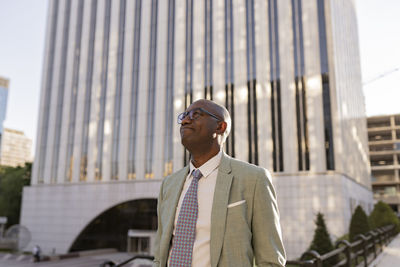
pixel 249 167
pixel 174 175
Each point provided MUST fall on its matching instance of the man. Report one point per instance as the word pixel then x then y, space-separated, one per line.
pixel 218 211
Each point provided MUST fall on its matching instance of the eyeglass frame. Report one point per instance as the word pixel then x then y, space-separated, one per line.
pixel 190 114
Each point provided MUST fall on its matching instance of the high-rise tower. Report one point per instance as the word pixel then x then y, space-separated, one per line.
pixel 117 73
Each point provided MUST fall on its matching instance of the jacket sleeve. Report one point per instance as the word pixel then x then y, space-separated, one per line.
pixel 267 236
pixel 156 262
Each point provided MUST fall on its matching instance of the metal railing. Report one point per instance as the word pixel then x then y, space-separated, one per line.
pixel 110 263
pixel 359 253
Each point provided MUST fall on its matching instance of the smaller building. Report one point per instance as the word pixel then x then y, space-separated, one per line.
pixel 384 150
pixel 3 102
pixel 15 148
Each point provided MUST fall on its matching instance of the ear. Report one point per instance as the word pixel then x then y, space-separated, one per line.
pixel 221 127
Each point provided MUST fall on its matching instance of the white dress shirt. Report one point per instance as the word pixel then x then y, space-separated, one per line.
pixel 205 197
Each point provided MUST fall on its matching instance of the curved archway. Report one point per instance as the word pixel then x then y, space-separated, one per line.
pixel 110 228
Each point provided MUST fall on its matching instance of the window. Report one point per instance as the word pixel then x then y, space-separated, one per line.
pixel 151 91
pixel 276 114
pixel 60 93
pixel 229 75
pixel 134 91
pixel 169 118
pixel 103 92
pixel 74 95
pixel 188 63
pixel 88 93
pixel 251 83
pixel 324 64
pixel 300 87
pixel 208 51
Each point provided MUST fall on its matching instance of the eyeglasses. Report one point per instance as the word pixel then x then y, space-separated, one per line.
pixel 194 114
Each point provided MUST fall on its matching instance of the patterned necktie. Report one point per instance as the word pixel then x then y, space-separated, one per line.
pixel 185 231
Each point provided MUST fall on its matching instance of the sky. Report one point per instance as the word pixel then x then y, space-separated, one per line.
pixel 22 36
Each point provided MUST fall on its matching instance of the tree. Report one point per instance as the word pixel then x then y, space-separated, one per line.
pixel 383 215
pixel 12 181
pixel 358 224
pixel 321 241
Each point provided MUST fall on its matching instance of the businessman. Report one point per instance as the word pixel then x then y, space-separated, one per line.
pixel 217 211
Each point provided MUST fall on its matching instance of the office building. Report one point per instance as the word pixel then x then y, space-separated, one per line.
pixel 117 73
pixel 384 153
pixel 4 83
pixel 15 148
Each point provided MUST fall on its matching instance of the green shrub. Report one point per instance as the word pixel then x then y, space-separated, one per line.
pixel 321 241
pixel 383 215
pixel 358 224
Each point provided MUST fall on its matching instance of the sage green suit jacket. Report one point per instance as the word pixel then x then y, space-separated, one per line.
pixel 246 231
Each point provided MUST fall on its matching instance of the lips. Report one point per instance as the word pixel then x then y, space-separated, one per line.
pixel 186 129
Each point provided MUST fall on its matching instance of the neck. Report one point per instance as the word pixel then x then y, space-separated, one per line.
pixel 199 159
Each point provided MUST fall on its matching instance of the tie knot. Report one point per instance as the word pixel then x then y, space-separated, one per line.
pixel 197 174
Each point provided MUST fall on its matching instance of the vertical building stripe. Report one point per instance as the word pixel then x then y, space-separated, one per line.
pixel 188 63
pixel 47 93
pixel 74 94
pixel 324 63
pixel 151 91
pixel 300 87
pixel 251 83
pixel 134 91
pixel 60 93
pixel 208 51
pixel 229 75
pixel 102 100
pixel 169 118
pixel 88 93
pixel 276 114
pixel 118 94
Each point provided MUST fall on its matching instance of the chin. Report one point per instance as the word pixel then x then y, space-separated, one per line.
pixel 186 143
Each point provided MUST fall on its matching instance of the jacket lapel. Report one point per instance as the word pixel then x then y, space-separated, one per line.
pixel 178 182
pixel 219 209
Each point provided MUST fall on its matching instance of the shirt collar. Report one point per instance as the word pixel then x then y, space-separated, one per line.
pixel 208 167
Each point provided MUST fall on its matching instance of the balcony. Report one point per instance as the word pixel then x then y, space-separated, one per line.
pixel 388 198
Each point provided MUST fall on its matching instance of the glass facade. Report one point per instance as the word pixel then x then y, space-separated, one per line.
pixel 208 50
pixel 118 92
pixel 169 99
pixel 3 105
pixel 45 112
pixel 103 92
pixel 134 65
pixel 60 92
pixel 252 133
pixel 151 91
pixel 3 102
pixel 74 94
pixel 324 63
pixel 188 64
pixel 229 75
pixel 275 84
pixel 113 35
pixel 134 92
pixel 88 94
pixel 299 72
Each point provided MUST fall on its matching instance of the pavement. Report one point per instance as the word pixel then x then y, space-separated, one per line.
pixel 390 257
pixel 8 260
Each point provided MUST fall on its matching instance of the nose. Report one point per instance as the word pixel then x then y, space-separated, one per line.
pixel 186 120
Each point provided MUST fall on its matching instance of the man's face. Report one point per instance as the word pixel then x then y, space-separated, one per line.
pixel 201 130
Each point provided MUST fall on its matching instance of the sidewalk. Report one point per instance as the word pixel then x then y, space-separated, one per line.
pixel 390 257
